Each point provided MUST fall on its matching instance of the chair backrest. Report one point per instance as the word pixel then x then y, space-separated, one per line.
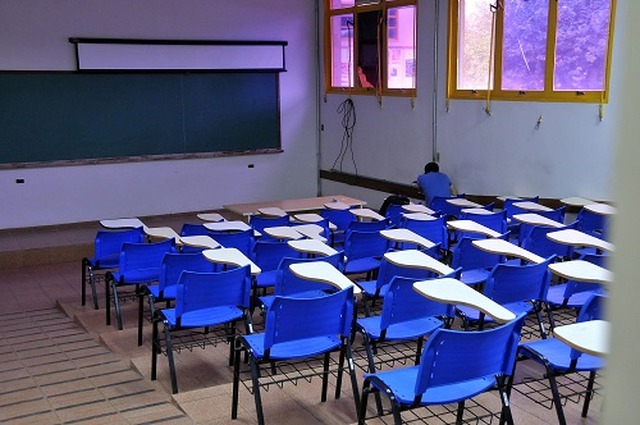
pixel 592 223
pixel 324 223
pixel 599 259
pixel 468 257
pixel 439 203
pixel 388 271
pixel 452 356
pixel 573 286
pixel 402 304
pixel 360 244
pixel 109 243
pixel 434 230
pixel 243 241
pixel 287 283
pixel 268 254
pixel 509 283
pixel 435 251
pixel 199 290
pixel 556 215
pixel 341 218
pixel 592 309
pixel 394 213
pixel 173 264
pixel 144 257
pixel 189 229
pixel 496 220
pixel 512 209
pixel 291 319
pixel 537 242
pixel 368 226
pixel 259 222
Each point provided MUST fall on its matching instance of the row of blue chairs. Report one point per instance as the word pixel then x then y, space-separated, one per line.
pixel 405 315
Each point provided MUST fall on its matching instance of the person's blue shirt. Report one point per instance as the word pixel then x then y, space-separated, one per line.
pixel 434 184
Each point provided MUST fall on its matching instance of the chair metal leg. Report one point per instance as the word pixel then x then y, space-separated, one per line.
pixel 395 409
pixel 352 374
pixel 155 348
pixel 172 365
pixel 552 324
pixel 504 388
pixel 116 304
pixel 256 388
pixel 83 288
pixel 231 339
pixel 538 310
pixel 140 316
pixel 325 377
pixel 589 394
pixel 107 290
pixel 556 397
pixel 362 411
pixel 369 346
pixel 94 291
pixel 460 412
pixel 236 380
pixel 419 344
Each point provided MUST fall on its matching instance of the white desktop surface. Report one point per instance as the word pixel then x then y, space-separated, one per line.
pixel 311 246
pixel 591 337
pixel 412 258
pixel 577 238
pixel 452 291
pixel 406 236
pixel 581 271
pixel 472 227
pixel 231 256
pixel 502 247
pixel 321 271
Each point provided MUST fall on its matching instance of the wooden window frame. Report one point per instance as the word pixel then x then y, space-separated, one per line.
pixel 549 94
pixel 383 6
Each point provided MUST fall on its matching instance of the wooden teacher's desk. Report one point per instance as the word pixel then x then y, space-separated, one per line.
pixel 293 205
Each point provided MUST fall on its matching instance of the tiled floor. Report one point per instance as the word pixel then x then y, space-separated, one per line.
pixel 60 363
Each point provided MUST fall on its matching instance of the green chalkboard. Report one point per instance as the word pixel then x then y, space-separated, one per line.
pixel 58 116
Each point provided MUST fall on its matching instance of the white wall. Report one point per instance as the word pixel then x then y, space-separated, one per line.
pixel 570 154
pixel 33 36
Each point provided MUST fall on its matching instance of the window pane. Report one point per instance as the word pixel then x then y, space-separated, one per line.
pixel 524 44
pixel 339 4
pixel 368 45
pixel 581 44
pixel 401 48
pixel 342 51
pixel 474 43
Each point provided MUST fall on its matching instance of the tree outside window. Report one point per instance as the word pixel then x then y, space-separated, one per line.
pixel 543 50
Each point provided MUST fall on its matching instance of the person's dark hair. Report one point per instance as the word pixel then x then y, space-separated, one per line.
pixel 432 166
